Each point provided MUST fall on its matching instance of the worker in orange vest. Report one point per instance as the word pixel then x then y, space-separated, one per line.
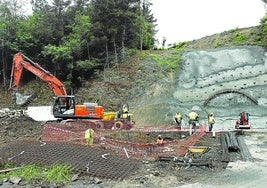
pixel 160 140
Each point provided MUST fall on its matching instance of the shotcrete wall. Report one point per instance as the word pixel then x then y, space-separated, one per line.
pixel 206 72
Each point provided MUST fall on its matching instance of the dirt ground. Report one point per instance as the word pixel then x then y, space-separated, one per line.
pixel 165 173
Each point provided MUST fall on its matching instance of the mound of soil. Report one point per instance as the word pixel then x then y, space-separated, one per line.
pixel 15 126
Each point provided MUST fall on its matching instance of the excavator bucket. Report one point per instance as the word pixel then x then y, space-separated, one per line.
pixel 24 100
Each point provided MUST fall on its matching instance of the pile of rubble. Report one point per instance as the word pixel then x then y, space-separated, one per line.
pixel 7 113
pixel 16 125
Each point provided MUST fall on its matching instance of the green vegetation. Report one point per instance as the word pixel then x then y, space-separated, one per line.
pixel 58 173
pixel 28 173
pixel 180 45
pixel 235 37
pixel 168 62
pixel 239 38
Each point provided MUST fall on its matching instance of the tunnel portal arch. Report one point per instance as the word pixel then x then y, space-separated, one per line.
pixel 224 91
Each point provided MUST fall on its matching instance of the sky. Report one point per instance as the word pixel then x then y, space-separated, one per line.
pixel 186 20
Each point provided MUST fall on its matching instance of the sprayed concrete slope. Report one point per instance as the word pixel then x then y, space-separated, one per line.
pixel 206 72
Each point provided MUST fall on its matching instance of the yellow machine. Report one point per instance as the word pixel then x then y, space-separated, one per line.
pixel 123 113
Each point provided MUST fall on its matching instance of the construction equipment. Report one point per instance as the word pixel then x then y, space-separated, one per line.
pixel 197 151
pixel 243 122
pixel 64 106
pixel 124 113
pixel 19 64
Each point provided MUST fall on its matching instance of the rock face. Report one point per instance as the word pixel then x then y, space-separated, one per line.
pixel 206 72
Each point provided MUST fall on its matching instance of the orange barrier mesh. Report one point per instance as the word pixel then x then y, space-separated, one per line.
pixel 75 134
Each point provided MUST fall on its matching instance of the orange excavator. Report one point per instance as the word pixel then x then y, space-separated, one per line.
pixel 64 106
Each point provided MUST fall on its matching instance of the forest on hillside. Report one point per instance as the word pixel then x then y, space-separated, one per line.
pixel 73 39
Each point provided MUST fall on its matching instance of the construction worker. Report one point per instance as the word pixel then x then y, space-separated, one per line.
pixel 125 109
pixel 178 119
pixel 211 121
pixel 193 119
pixel 160 140
pixel 89 133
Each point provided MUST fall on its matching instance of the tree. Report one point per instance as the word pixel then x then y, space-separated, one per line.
pixel 59 9
pixel 78 41
pixel 11 12
pixel 120 24
pixel 148 27
pixel 60 55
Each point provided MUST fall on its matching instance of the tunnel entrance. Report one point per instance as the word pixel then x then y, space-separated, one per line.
pixel 225 91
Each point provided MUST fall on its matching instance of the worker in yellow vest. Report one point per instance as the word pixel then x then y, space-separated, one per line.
pixel 211 121
pixel 125 109
pixel 193 119
pixel 178 119
pixel 89 133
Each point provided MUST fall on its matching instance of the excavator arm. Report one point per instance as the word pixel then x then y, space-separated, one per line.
pixel 19 64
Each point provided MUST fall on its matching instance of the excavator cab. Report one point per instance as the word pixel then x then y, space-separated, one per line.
pixel 63 105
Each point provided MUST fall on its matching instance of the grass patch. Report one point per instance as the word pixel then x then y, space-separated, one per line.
pixel 239 38
pixel 55 173
pixel 27 173
pixel 58 173
pixel 167 62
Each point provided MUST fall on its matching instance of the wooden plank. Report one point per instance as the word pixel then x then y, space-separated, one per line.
pixel 10 169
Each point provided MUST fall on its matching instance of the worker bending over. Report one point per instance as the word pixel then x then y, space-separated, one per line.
pixel 193 119
pixel 89 133
pixel 160 140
